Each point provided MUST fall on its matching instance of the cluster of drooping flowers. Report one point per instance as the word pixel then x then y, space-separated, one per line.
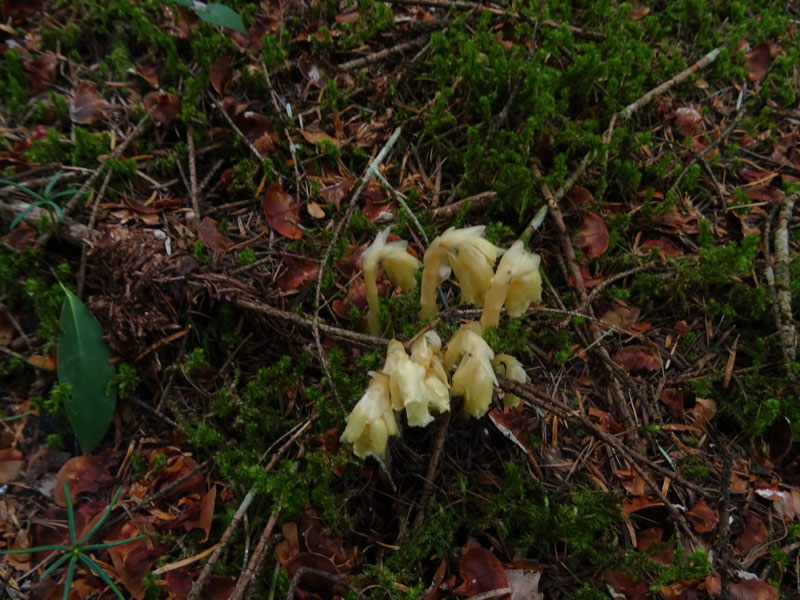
pixel 418 383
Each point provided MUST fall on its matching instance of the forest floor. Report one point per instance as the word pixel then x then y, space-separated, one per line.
pixel 215 191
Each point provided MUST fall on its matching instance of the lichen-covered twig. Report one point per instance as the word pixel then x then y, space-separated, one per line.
pixel 783 292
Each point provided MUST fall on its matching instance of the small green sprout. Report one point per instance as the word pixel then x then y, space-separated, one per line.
pixel 80 548
pixel 46 199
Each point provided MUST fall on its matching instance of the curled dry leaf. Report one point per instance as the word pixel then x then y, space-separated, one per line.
pixel 41 72
pixel 687 121
pixel 747 589
pixel 665 247
pixel 672 398
pixel 637 359
pixel 702 517
pixel 220 73
pixel 163 107
pixel 580 197
pixel 315 210
pixel 753 534
pixel 87 105
pixel 593 235
pixel 336 193
pixel 210 235
pixel 149 73
pixel 83 474
pixel 282 213
pixel 297 273
pixel 312 136
pixel 481 571
pixel 312 71
pixel 757 61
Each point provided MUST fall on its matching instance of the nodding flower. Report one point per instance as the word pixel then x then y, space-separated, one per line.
pixel 474 378
pixel 372 420
pixel 505 364
pixel 468 255
pixel 398 265
pixel 516 284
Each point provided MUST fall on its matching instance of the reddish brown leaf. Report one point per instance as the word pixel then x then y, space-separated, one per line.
pixel 325 543
pixel 631 481
pixel 298 272
pixel 637 503
pixel 637 359
pixel 21 236
pixel 378 212
pixel 41 73
pixel 754 533
pixel 702 517
pixel 481 571
pixel 623 584
pixel 757 61
pixel 763 193
pixel 282 213
pixel 289 546
pixel 580 197
pixel 216 587
pixel 786 503
pixel 687 121
pixel 132 561
pixel 82 474
pixel 664 245
pixel 516 426
pixel 607 421
pixel 336 193
pixel 747 589
pixel 673 400
pixel 87 105
pixel 676 222
pixel 21 9
pixel 220 73
pixel 703 411
pixel 178 467
pixel 312 136
pixel 210 235
pixel 10 464
pixel 622 316
pixel 593 235
pixel 356 296
pixel 162 106
pixel 149 73
pixel 649 537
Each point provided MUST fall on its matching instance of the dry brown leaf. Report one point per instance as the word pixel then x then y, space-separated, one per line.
pixel 83 474
pixel 336 193
pixel 747 589
pixel 481 571
pixel 524 584
pixel 162 106
pixel 10 464
pixel 637 359
pixel 210 235
pixel 702 518
pixel 298 272
pixel 673 399
pixel 149 73
pixel 757 61
pixel 687 121
pixel 753 534
pixel 87 106
pixel 592 235
pixel 41 72
pixel 312 136
pixel 282 213
pixel 220 73
pixel 315 210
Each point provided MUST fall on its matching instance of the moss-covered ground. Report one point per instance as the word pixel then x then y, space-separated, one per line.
pixel 669 326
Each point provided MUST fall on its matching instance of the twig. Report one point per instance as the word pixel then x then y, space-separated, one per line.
pixel 628 420
pixel 376 57
pixel 476 202
pixel 335 579
pixel 709 58
pixel 197 586
pixel 238 131
pixel 211 172
pixel 436 455
pixel 636 459
pixel 76 198
pixel 87 242
pixel 193 177
pixel 18 356
pixel 491 594
pixel 316 326
pixel 254 566
pixel 724 526
pixel 787 333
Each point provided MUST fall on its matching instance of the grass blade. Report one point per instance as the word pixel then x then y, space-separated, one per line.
pixel 54 566
pixel 73 536
pixel 105 545
pixel 70 576
pixel 50 184
pixel 102 519
pixel 102 574
pixel 23 188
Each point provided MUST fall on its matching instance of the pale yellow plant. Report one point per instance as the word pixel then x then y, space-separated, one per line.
pixel 468 255
pixel 474 377
pixel 505 364
pixel 516 284
pixel 372 420
pixel 398 265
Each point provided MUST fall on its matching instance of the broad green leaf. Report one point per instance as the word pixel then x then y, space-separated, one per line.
pixel 219 14
pixel 83 364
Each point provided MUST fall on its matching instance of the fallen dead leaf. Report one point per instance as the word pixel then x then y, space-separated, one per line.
pixel 687 121
pixel 312 136
pixel 757 61
pixel 753 534
pixel 210 235
pixel 481 571
pixel 747 589
pixel 220 73
pixel 281 213
pixel 315 210
pixel 524 584
pixel 83 474
pixel 297 273
pixel 10 464
pixel 702 518
pixel 637 359
pixel 162 106
pixel 336 193
pixel 673 399
pixel 87 106
pixel 592 235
